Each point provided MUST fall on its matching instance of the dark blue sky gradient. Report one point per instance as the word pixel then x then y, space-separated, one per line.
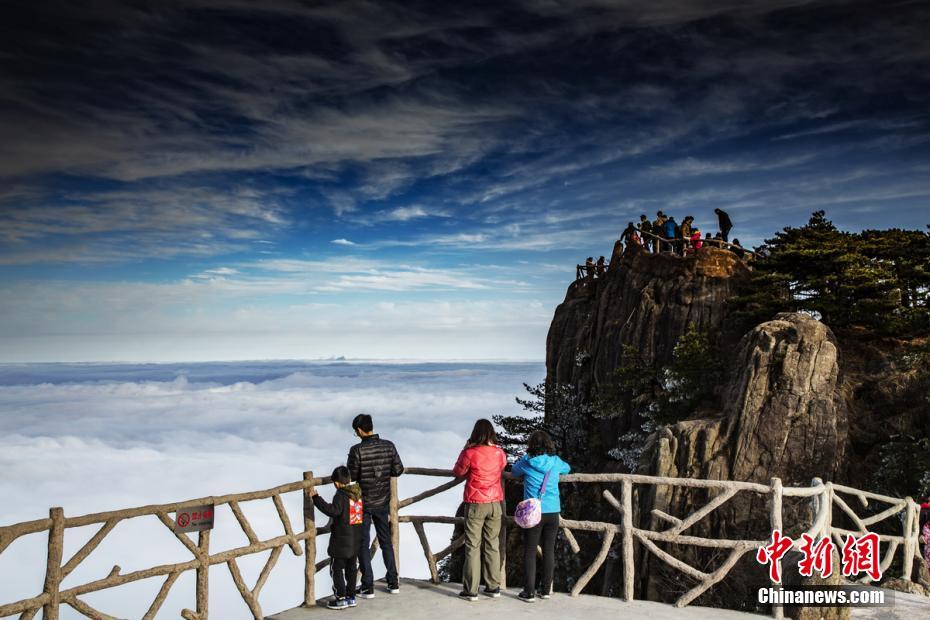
pixel 293 179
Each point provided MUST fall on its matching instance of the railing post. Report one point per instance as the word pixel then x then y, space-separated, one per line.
pixel 309 544
pixel 626 501
pixel 203 575
pixel 815 502
pixel 56 534
pixel 910 538
pixel 395 526
pixel 775 518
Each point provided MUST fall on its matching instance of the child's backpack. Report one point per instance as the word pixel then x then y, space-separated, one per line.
pixel 356 512
pixel 528 513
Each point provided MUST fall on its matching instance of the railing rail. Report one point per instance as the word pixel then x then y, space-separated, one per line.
pixel 824 496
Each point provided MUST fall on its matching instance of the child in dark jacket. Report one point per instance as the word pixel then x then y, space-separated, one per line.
pixel 347 514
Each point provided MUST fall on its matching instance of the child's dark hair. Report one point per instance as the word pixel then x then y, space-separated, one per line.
pixel 341 475
pixel 540 443
pixel 483 433
pixel 363 422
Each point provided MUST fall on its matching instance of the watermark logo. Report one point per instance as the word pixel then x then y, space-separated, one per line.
pixel 829 596
pixel 859 555
pixel 771 554
pixel 816 556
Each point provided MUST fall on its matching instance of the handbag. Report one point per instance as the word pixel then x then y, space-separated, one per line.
pixel 528 513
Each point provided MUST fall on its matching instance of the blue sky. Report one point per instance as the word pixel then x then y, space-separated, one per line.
pixel 232 180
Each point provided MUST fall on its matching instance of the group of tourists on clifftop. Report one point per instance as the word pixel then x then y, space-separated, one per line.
pixel 664 235
pixel 363 497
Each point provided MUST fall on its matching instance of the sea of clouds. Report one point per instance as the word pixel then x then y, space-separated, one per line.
pixel 95 437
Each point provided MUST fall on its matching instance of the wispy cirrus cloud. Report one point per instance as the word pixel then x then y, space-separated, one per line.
pixel 162 147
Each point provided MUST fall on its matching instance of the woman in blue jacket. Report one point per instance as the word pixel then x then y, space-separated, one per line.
pixel 539 460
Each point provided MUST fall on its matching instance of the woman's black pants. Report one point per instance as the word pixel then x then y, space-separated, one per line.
pixel 542 535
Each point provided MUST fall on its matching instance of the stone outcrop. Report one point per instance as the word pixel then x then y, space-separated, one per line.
pixel 783 414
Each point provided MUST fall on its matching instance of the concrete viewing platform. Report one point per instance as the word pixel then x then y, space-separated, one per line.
pixel 422 600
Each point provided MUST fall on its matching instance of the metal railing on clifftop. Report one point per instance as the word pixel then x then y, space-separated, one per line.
pixel 825 497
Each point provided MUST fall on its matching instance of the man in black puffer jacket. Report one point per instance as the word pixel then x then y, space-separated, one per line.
pixel 372 463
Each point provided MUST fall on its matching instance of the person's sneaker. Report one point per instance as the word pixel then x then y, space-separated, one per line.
pixel 543 595
pixel 393 588
pixel 527 597
pixel 351 601
pixel 468 597
pixel 496 592
pixel 338 603
pixel 366 593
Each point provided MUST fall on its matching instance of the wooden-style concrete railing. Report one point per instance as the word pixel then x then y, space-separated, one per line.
pixel 52 597
pixel 825 496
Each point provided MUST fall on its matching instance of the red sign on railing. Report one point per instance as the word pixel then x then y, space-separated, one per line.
pixel 194 519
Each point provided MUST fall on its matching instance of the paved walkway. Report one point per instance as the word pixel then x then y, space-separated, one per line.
pixel 421 600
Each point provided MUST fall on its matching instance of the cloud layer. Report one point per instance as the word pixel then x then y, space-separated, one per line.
pixel 97 437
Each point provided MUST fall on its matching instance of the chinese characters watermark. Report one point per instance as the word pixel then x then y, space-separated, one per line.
pixel 859 555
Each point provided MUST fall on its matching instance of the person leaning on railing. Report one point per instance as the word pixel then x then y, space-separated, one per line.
pixel 671 233
pixel 540 469
pixel 645 229
pixel 481 463
pixel 684 233
pixel 346 512
pixel 658 229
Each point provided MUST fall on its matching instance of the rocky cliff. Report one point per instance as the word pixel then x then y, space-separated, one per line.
pixel 646 301
pixel 779 411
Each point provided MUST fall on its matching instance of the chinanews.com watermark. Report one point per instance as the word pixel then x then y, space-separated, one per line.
pixel 826 596
pixel 859 556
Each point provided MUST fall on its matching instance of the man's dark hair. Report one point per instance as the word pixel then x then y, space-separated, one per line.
pixel 483 433
pixel 341 475
pixel 363 422
pixel 540 443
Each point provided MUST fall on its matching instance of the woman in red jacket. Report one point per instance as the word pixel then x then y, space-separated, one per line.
pixel 481 463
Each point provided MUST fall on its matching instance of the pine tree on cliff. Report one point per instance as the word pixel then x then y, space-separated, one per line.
pixel 878 280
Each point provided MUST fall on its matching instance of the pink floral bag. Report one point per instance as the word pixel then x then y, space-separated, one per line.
pixel 528 513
